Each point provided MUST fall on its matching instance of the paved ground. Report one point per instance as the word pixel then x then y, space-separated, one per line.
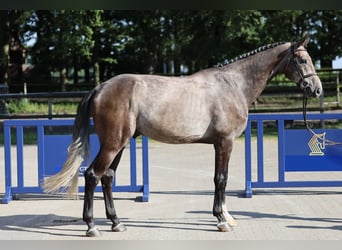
pixel 181 185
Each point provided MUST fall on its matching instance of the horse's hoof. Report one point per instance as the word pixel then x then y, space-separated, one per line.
pixel 230 219
pixel 119 228
pixel 232 222
pixel 93 232
pixel 224 227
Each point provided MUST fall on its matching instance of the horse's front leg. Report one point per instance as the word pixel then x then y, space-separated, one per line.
pixel 223 149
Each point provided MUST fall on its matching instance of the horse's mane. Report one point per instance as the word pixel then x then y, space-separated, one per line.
pixel 253 52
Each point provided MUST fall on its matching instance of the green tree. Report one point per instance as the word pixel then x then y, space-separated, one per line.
pixel 282 25
pixel 214 36
pixel 145 39
pixel 110 40
pixel 4 45
pixel 12 52
pixel 103 43
pixel 325 28
pixel 64 39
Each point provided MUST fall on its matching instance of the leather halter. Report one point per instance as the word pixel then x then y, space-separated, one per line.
pixel 294 58
pixel 284 63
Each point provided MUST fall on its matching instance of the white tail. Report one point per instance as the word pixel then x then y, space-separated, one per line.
pixel 67 179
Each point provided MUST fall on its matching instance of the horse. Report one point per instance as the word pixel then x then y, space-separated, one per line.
pixel 209 106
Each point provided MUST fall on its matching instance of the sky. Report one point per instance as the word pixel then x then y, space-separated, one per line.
pixel 337 63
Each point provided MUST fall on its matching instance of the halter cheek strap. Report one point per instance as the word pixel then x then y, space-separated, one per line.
pixel 295 60
pixel 302 76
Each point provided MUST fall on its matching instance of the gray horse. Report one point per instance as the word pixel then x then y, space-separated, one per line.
pixel 210 106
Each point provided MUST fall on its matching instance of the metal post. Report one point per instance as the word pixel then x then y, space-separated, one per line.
pixel 145 163
pixel 133 161
pixel 338 90
pixel 20 156
pixel 321 109
pixel 248 161
pixel 41 153
pixel 260 150
pixel 281 151
pixel 8 167
pixel 49 109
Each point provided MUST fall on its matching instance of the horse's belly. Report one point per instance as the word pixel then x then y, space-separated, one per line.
pixel 174 131
pixel 174 113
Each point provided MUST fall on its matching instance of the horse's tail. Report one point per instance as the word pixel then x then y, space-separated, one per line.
pixel 67 178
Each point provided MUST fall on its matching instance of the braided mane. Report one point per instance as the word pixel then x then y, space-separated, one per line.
pixel 253 52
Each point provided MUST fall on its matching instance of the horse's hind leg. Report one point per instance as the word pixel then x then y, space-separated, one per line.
pixel 91 180
pixel 107 183
pixel 92 176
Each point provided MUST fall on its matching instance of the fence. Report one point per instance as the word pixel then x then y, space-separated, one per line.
pixel 48 97
pixel 51 160
pixel 298 151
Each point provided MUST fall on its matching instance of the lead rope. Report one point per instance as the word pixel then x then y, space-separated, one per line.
pixel 325 141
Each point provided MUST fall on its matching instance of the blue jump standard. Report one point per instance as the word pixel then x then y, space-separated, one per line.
pixel 51 160
pixel 298 151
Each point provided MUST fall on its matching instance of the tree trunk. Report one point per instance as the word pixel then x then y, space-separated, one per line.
pixel 96 57
pixel 149 63
pixel 63 78
pixel 75 75
pixel 4 46
pixel 176 66
pixel 97 73
pixel 86 72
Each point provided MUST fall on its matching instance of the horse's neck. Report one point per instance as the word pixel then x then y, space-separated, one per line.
pixel 256 69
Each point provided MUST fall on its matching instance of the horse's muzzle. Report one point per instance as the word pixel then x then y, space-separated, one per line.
pixel 310 90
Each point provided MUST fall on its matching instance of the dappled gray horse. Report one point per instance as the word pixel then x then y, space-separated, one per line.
pixel 210 106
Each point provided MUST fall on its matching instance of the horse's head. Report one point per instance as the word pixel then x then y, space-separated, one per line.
pixel 300 69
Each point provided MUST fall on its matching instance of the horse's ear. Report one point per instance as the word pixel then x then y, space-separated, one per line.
pixel 304 41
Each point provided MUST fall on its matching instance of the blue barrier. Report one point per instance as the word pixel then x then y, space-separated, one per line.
pixel 298 150
pixel 51 154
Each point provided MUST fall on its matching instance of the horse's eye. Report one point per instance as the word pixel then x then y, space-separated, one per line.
pixel 302 61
